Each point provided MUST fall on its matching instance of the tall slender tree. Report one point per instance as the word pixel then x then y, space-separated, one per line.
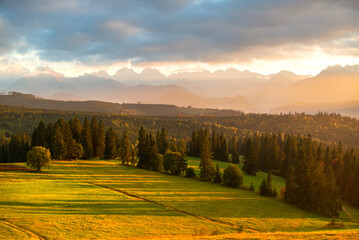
pixel 110 144
pixel 125 151
pixel 207 170
pixel 86 140
pixel 250 165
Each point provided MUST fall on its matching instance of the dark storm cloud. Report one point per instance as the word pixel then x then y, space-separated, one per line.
pixel 163 30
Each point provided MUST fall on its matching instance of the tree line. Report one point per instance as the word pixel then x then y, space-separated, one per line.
pixel 329 128
pixel 317 176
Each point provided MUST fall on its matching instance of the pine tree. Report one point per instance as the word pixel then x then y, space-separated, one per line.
pixel 269 184
pixel 161 141
pixel 94 135
pixel 218 175
pixel 39 135
pixel 110 144
pixel 235 157
pixel 141 154
pixel 14 147
pixel 133 155
pixel 58 148
pixel 223 149
pixel 263 188
pixel 76 129
pixel 291 188
pixel 250 159
pixel 86 140
pixel 151 152
pixel 100 149
pixel 70 150
pixel 207 170
pixel 50 137
pixel 125 151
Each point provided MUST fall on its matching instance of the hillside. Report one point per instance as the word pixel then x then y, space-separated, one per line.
pixel 31 101
pixel 185 98
pixel 125 202
pixel 330 128
pixel 333 84
pixel 346 108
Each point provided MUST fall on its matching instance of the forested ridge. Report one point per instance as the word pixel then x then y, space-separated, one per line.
pixel 329 128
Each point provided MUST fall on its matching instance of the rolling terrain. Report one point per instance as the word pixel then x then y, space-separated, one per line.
pixel 31 101
pixel 105 200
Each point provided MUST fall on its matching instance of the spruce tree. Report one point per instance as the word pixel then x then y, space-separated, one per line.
pixel 218 175
pixel 86 140
pixel 39 135
pixel 110 144
pixel 235 157
pixel 94 135
pixel 161 141
pixel 133 155
pixel 269 184
pixel 263 188
pixel 100 149
pixel 141 154
pixel 76 129
pixel 207 170
pixel 223 149
pixel 50 137
pixel 125 151
pixel 58 148
pixel 250 159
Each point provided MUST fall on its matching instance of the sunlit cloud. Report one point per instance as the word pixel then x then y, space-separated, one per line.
pixel 181 35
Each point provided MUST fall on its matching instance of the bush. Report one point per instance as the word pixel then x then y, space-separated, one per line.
pixel 157 163
pixel 174 163
pixel 38 157
pixel 232 177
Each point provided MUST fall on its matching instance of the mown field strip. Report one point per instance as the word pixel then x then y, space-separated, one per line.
pixel 163 205
pixel 32 235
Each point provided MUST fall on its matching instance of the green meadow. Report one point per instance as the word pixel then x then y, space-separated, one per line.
pixel 97 199
pixel 277 182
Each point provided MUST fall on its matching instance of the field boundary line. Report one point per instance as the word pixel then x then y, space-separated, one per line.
pixel 32 235
pixel 164 205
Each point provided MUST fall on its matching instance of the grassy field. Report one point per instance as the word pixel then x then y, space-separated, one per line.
pixel 277 182
pixel 97 199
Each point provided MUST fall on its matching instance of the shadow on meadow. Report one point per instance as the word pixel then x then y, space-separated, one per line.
pixel 89 207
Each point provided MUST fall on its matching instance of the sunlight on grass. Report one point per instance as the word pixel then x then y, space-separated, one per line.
pixel 64 203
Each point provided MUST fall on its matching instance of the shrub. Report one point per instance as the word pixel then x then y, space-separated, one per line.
pixel 174 163
pixel 232 177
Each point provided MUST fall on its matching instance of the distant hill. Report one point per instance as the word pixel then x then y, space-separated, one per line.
pixel 333 84
pixel 345 108
pixel 31 101
pixel 271 92
pixel 186 98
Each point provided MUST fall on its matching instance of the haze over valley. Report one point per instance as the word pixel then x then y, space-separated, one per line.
pixel 334 89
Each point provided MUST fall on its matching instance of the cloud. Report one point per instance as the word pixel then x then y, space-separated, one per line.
pixel 107 31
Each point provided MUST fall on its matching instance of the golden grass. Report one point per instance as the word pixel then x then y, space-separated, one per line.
pixel 64 202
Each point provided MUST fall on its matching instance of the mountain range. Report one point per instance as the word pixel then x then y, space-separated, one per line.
pixel 335 89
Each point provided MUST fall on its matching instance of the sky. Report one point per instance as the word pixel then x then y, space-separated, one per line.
pixel 265 36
